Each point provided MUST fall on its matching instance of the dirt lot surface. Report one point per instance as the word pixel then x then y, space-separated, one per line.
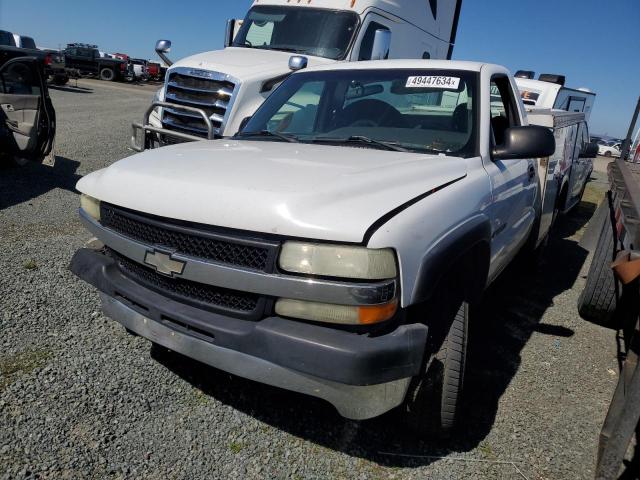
pixel 79 398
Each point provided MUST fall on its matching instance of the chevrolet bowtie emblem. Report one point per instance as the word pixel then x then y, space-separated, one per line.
pixel 164 264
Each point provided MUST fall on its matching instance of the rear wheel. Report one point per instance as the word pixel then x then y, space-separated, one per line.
pixel 60 79
pixel 433 402
pixel 107 74
pixel 597 302
pixel 607 153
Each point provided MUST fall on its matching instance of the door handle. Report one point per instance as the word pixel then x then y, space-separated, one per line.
pixel 532 171
pixel 7 107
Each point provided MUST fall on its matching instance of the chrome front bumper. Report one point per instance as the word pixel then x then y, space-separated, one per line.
pixel 355 402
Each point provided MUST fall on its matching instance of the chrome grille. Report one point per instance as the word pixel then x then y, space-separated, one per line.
pixel 191 239
pixel 212 94
pixel 219 299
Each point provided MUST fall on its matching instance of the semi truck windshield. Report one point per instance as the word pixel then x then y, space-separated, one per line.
pixel 310 31
pixel 430 111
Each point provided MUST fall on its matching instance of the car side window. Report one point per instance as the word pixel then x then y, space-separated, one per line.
pixel 504 112
pixel 366 47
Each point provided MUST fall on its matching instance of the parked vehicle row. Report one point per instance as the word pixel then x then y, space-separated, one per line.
pixel 609 149
pixel 13 45
pixel 87 60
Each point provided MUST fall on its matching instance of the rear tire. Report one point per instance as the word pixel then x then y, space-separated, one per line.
pixel 60 80
pixel 433 402
pixel 107 75
pixel 597 302
pixel 607 154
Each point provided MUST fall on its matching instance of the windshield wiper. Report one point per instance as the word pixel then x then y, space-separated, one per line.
pixel 268 133
pixel 361 139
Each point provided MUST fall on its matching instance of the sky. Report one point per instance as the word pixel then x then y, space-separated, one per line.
pixel 595 43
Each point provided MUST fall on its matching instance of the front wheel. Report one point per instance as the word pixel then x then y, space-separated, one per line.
pixel 434 400
pixel 607 154
pixel 107 75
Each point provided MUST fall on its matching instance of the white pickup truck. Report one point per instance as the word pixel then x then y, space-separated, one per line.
pixel 209 94
pixel 334 245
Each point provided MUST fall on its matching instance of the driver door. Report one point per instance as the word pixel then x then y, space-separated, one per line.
pixel 27 118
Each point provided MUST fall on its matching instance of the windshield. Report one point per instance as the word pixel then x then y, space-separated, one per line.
pixel 312 31
pixel 431 111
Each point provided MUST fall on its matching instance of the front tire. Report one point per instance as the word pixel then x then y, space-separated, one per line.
pixel 107 75
pixel 607 154
pixel 434 400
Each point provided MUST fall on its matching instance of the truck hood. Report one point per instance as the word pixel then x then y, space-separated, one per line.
pixel 245 63
pixel 298 190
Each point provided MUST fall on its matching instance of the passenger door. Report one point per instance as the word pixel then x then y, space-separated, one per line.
pixel 27 118
pixel 513 182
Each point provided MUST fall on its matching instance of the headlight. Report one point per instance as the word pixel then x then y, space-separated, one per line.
pixel 342 314
pixel 91 206
pixel 159 95
pixel 342 261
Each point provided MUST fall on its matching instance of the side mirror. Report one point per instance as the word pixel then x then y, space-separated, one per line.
pixel 525 142
pixel 243 123
pixel 590 150
pixel 162 48
pixel 381 44
pixel 298 62
pixel 229 32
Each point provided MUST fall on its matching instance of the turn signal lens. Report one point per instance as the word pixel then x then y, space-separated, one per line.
pixel 339 314
pixel 91 206
pixel 344 261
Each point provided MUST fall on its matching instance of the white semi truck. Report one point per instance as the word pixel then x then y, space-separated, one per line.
pixel 209 94
pixel 334 245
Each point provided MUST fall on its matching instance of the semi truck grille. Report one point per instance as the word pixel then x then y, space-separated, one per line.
pixel 209 94
pixel 191 239
pixel 243 304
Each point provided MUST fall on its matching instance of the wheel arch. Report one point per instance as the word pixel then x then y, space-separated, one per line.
pixel 467 246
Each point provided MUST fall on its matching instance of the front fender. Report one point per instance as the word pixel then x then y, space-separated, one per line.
pixel 474 232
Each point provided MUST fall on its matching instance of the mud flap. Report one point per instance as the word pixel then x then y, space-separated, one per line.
pixel 589 239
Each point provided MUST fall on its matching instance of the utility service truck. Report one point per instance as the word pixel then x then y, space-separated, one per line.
pixel 208 95
pixel 333 246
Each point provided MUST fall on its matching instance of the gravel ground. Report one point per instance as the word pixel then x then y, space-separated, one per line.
pixel 81 399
